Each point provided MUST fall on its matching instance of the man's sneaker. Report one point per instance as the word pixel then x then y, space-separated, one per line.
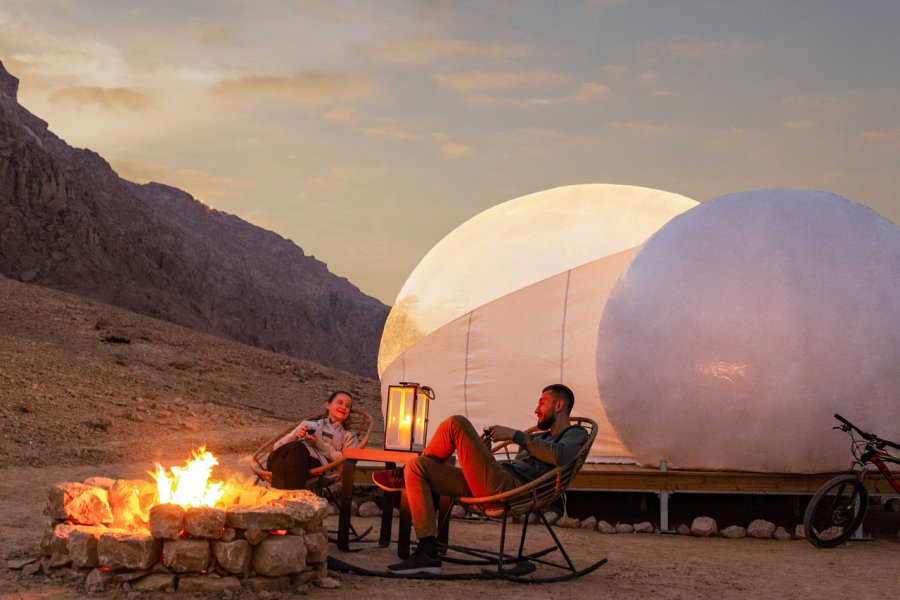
pixel 390 480
pixel 417 564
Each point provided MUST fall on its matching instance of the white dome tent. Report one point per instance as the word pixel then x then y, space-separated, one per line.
pixel 511 301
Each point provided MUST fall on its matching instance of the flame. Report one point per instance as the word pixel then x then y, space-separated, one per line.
pixel 190 485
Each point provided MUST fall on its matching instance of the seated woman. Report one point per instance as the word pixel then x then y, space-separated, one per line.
pixel 312 443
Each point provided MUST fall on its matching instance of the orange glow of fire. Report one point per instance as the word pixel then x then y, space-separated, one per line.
pixel 189 485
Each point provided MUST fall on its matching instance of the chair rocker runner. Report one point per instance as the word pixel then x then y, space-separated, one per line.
pixel 321 477
pixel 531 498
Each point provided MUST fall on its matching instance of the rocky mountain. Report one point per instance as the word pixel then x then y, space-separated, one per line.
pixel 68 222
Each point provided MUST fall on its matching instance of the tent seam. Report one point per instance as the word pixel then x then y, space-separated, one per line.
pixel 562 343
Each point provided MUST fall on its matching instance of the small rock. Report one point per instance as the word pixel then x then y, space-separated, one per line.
pixel 589 523
pixel 604 527
pixel 782 534
pixel 255 536
pixel 683 530
pixel 892 505
pixel 552 516
pixel 733 532
pixel 643 527
pixel 624 528
pixel 369 509
pixel 328 583
pixel 16 564
pixel 154 582
pixel 761 529
pixel 457 512
pixel 568 523
pixel 31 569
pixel 799 531
pixel 704 527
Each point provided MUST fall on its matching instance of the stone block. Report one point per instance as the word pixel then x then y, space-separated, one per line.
pixel 761 529
pixel 186 555
pixel 262 518
pixel 56 538
pixel 209 585
pixel 733 532
pixel 643 527
pixel 229 534
pixel 79 503
pixel 551 515
pixel 103 482
pixel 568 522
pixel 268 584
pixel 255 536
pixel 280 555
pixel 82 545
pixel 589 523
pixel 624 528
pixel 130 501
pixel 205 522
pixel 99 580
pixel 128 551
pixel 308 511
pixel 605 527
pixel 369 509
pixel 316 547
pixel 233 556
pixel 704 527
pixel 154 582
pixel 683 530
pixel 782 534
pixel 166 521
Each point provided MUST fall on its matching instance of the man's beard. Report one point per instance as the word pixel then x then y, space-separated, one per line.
pixel 546 422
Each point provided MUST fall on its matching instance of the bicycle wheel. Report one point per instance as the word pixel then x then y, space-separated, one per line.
pixel 836 511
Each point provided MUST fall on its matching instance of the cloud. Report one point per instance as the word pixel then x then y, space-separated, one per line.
pixel 311 87
pixel 622 76
pixel 590 90
pixel 333 180
pixel 342 114
pixel 543 133
pixel 207 187
pixel 450 149
pixel 470 81
pixel 645 129
pixel 807 102
pixel 427 50
pixel 693 48
pixel 139 171
pixel 118 99
pixel 210 32
pixel 800 125
pixel 891 136
pixel 389 131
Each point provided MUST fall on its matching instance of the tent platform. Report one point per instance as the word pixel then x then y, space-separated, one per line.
pixel 665 482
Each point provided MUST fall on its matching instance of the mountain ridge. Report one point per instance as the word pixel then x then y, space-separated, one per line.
pixel 69 222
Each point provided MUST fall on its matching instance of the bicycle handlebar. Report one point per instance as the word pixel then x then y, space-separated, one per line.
pixel 867 436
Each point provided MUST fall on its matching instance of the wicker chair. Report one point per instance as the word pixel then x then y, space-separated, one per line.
pixel 533 497
pixel 360 422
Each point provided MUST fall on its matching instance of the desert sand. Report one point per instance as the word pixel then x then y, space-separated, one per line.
pixel 74 404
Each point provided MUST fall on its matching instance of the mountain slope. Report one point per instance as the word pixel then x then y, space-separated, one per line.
pixel 67 221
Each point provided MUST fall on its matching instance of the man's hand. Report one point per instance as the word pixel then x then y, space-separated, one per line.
pixel 501 433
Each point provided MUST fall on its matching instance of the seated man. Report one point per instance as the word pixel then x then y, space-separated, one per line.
pixel 479 473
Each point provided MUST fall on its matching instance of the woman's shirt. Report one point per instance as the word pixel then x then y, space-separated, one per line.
pixel 332 439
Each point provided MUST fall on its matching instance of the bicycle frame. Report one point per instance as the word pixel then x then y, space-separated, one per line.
pixel 879 458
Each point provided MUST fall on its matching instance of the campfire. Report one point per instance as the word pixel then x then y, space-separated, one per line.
pixel 186 531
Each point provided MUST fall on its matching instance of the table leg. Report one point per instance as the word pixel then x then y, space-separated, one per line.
pixel 389 500
pixel 347 472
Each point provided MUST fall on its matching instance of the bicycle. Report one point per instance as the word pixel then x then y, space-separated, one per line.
pixel 838 508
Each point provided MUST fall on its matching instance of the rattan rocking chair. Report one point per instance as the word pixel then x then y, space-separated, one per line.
pixel 533 497
pixel 321 478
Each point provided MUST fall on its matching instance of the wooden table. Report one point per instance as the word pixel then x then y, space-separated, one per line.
pixel 390 458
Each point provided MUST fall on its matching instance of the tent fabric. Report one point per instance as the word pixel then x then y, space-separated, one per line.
pixel 491 364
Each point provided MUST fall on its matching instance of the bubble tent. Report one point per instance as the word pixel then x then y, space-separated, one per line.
pixel 510 301
pixel 648 325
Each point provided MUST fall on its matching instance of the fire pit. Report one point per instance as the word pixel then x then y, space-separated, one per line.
pixel 186 532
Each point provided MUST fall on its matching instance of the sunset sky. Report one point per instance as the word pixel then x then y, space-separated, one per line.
pixel 365 131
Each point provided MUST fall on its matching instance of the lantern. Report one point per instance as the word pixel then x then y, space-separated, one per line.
pixel 406 422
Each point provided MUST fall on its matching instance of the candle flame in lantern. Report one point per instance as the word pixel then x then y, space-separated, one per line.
pixel 190 485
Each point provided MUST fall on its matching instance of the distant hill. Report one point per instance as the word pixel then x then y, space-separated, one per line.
pixel 67 221
pixel 86 382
